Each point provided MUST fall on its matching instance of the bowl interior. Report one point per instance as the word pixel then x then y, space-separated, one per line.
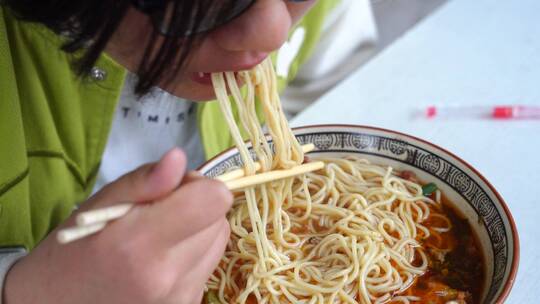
pixel 469 193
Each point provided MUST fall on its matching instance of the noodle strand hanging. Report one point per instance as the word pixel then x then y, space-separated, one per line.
pixel 345 234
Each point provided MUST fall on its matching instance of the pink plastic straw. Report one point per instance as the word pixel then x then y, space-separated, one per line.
pixel 504 112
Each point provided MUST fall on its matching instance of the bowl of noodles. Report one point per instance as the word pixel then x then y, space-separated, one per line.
pixel 390 219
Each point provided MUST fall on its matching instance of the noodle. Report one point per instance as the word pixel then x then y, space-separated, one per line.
pixel 346 234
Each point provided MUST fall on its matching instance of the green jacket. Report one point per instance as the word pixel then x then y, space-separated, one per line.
pixel 54 125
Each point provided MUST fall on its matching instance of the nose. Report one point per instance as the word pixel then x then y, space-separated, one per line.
pixel 262 28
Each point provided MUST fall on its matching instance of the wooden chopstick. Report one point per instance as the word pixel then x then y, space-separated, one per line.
pixel 269 176
pixel 93 221
pixel 106 214
pixel 103 214
pixel 234 174
pixel 78 232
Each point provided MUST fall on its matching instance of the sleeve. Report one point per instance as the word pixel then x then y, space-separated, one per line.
pixel 348 39
pixel 8 257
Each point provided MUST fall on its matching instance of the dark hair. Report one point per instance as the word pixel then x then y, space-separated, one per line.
pixel 90 24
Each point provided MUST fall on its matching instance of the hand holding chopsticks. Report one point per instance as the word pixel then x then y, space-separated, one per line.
pixel 93 221
pixel 157 253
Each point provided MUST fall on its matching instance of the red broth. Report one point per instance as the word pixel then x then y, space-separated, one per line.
pixel 456 266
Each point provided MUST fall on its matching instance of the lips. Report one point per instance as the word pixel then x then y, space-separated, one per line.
pixel 249 63
pixel 205 78
pixel 202 78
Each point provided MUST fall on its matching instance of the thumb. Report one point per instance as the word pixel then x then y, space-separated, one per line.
pixel 148 182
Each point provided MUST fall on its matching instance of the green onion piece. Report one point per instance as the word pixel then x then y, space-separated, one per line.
pixel 211 298
pixel 428 189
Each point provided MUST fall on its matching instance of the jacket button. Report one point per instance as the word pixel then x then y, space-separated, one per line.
pixel 98 74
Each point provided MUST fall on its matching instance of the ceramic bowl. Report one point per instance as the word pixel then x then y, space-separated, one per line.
pixel 471 195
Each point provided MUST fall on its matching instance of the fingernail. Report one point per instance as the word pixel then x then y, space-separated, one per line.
pixel 174 152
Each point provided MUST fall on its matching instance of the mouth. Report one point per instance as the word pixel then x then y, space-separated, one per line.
pixel 205 78
pixel 202 78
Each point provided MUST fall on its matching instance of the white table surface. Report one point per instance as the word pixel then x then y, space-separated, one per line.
pixel 479 52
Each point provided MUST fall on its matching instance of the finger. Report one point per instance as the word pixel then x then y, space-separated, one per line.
pixel 149 182
pixel 189 251
pixel 206 261
pixel 212 257
pixel 187 211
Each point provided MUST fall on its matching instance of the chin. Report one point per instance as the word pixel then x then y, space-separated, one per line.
pixel 193 91
pixel 200 96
